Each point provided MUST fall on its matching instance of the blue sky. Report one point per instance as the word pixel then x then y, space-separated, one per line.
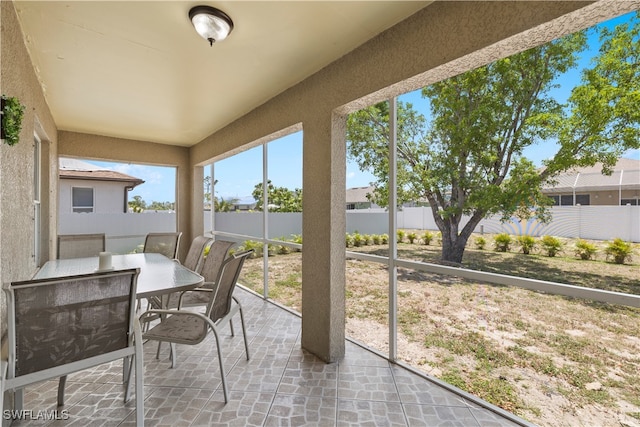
pixel 238 175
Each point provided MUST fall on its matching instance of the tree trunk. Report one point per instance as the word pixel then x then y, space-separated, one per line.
pixel 454 243
pixel 453 249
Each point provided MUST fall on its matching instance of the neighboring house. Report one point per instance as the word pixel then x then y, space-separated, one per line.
pixel 356 198
pixel 87 188
pixel 247 203
pixel 588 186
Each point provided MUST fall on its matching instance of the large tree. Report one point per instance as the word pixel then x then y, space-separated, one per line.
pixel 280 199
pixel 467 160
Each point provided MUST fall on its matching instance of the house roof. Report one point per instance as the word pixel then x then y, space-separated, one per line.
pixel 77 169
pixel 358 194
pixel 625 176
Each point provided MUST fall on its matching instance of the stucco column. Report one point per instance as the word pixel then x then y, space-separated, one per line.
pixel 197 204
pixel 323 231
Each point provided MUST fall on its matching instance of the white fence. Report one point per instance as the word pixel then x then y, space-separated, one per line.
pixel 587 222
pixel 126 231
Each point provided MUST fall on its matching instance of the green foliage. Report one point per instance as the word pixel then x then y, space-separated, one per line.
pixel 480 243
pixel 527 244
pixel 349 240
pixel 161 206
pixel 358 240
pixel 619 250
pixel 384 239
pixel 551 245
pixel 281 199
pixel 376 238
pixel 585 250
pixel 283 249
pixel 296 238
pixel 400 236
pixel 137 205
pixel 412 237
pixel 222 205
pixel 12 115
pixel 255 245
pixel 427 237
pixel 502 242
pixel 467 160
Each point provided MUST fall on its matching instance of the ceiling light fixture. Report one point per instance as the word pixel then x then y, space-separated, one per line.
pixel 212 24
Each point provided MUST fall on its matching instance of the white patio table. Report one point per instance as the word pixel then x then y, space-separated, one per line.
pixel 158 276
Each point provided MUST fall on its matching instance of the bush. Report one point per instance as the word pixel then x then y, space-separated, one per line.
pixel 427 237
pixel 585 250
pixel 400 234
pixel 619 250
pixel 349 240
pixel 384 239
pixel 551 245
pixel 480 243
pixel 412 237
pixel 502 242
pixel 256 246
pixel 358 240
pixel 527 244
pixel 376 239
pixel 283 250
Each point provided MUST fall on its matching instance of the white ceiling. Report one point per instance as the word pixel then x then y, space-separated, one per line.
pixel 138 69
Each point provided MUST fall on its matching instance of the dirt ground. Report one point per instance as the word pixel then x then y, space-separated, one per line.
pixel 552 360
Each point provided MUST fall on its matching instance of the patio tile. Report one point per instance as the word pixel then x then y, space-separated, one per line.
pixel 370 413
pixel 434 416
pixel 294 410
pixel 313 379
pixel 281 385
pixel 367 383
pixel 172 406
pixel 415 389
pixel 258 375
pixel 243 409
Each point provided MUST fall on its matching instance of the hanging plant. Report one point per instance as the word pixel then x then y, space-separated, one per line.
pixel 12 113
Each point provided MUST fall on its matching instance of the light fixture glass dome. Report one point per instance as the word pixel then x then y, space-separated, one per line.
pixel 212 24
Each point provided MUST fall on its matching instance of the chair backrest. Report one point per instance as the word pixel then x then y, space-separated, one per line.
pixel 162 243
pixel 80 245
pixel 53 322
pixel 194 258
pixel 214 259
pixel 220 303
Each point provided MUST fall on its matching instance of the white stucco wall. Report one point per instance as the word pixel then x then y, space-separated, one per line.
pixel 108 197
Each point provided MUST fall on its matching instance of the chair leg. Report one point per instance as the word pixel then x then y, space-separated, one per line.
pixel 61 383
pixel 139 366
pixel 233 334
pixel 174 355
pixel 18 399
pixel 244 331
pixel 129 361
pixel 224 380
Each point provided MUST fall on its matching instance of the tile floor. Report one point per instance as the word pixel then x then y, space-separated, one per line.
pixel 281 385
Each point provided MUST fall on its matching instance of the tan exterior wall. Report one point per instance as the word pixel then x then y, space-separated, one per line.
pixel 18 79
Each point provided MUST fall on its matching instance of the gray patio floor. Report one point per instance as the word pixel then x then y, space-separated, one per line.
pixel 282 385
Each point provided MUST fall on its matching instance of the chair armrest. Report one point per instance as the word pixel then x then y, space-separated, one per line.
pixel 174 312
